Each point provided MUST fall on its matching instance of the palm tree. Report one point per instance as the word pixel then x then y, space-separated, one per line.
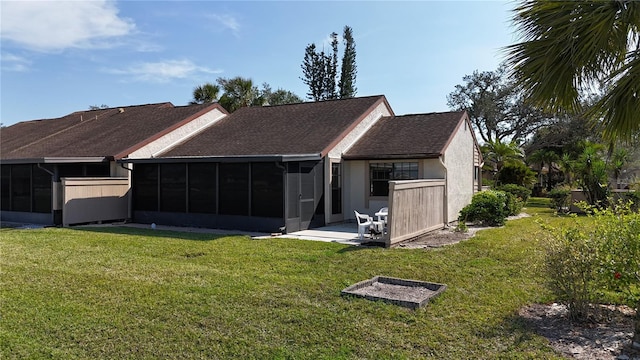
pixel 571 46
pixel 545 157
pixel 206 93
pixel 567 164
pixel 238 92
pixel 618 160
pixel 501 153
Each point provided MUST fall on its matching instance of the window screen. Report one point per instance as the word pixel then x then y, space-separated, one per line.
pixel 21 188
pixel 41 190
pixel 145 187
pixel 202 188
pixel 381 173
pixel 5 187
pixel 233 189
pixel 173 187
pixel 267 190
pixel 336 188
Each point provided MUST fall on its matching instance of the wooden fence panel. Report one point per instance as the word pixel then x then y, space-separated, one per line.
pixel 87 200
pixel 415 207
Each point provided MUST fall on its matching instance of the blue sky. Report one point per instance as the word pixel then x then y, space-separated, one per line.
pixel 59 57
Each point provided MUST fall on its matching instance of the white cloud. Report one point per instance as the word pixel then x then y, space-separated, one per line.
pixel 227 21
pixel 58 25
pixel 11 62
pixel 163 71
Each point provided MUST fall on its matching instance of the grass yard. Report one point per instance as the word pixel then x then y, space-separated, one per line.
pixel 123 293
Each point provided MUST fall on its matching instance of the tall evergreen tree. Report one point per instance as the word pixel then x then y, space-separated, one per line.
pixel 331 66
pixel 320 70
pixel 347 84
pixel 313 69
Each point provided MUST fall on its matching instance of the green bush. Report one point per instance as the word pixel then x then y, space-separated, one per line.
pixel 487 207
pixel 584 263
pixel 571 264
pixel 514 204
pixel 517 173
pixel 520 192
pixel 560 198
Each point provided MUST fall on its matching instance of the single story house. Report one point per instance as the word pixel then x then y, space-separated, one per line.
pixel 36 156
pixel 298 166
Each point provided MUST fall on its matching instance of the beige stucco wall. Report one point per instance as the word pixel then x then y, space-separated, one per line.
pixel 459 160
pixel 178 135
pixel 432 169
pixel 335 155
pixel 360 129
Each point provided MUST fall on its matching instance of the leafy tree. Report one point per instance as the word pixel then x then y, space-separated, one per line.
pixel 565 135
pixel 347 84
pixel 570 46
pixel 206 93
pixel 320 70
pixel 278 97
pixel 496 107
pixel 96 107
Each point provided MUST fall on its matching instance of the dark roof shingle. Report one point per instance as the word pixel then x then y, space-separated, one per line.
pixel 293 129
pixel 407 136
pixel 93 133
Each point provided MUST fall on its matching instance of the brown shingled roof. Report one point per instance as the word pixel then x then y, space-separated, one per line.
pixel 293 129
pixel 407 136
pixel 95 133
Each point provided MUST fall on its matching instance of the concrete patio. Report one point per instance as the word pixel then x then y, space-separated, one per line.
pixel 343 233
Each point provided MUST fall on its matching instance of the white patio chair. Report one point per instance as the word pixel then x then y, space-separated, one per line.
pixel 364 223
pixel 382 215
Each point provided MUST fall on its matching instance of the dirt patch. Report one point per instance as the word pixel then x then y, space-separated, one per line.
pixel 606 337
pixel 449 236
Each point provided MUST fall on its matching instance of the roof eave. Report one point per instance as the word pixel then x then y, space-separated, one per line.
pixel 391 156
pixel 58 160
pixel 226 158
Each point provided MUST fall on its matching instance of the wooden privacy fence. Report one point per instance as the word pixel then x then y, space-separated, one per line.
pixel 415 207
pixel 87 200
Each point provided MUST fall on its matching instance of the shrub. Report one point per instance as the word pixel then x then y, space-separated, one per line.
pixel 520 192
pixel 585 262
pixel 487 207
pixel 571 263
pixel 517 173
pixel 560 198
pixel 514 204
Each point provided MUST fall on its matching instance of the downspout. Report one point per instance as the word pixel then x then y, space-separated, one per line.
pixel 446 189
pixel 283 229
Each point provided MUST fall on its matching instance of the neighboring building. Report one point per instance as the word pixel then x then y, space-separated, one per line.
pixel 296 166
pixel 37 155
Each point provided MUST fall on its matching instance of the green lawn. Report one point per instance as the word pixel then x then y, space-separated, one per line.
pixel 123 293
